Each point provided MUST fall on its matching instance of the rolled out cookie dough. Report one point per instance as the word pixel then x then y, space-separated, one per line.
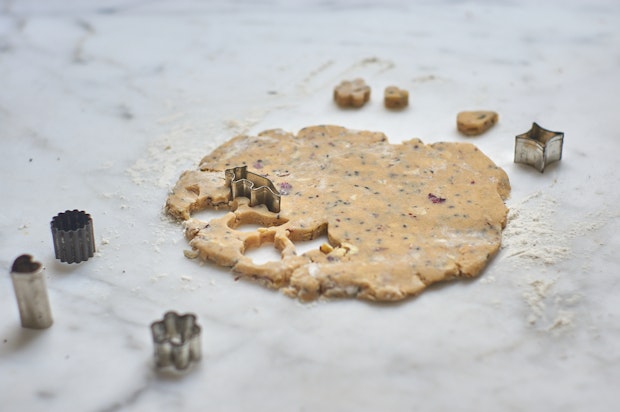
pixel 398 217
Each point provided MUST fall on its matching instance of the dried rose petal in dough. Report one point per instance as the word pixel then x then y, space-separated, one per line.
pixel 398 217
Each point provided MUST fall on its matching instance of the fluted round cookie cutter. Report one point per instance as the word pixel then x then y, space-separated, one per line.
pixel 73 236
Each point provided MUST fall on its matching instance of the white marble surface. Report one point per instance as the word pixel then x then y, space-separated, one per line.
pixel 103 105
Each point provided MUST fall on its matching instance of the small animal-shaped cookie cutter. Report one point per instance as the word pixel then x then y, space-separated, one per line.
pixel 538 147
pixel 257 188
pixel 177 340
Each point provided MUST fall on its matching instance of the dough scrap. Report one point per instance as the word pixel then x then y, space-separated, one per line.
pixel 352 93
pixel 476 122
pixel 398 217
pixel 395 98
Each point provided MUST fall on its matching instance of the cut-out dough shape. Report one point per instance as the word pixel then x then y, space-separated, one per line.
pixel 352 93
pixel 475 123
pixel 398 217
pixel 395 98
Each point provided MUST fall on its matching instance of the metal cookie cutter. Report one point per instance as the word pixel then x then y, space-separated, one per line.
pixel 177 340
pixel 257 188
pixel 538 147
pixel 31 293
pixel 74 239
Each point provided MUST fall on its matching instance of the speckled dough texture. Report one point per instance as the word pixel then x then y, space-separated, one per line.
pixel 398 217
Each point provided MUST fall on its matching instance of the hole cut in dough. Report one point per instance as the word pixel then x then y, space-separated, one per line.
pixel 311 245
pixel 208 214
pixel 265 253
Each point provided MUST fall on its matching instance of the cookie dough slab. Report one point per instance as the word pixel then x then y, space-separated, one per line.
pixel 398 217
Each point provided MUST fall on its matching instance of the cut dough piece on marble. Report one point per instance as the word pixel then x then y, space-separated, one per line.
pixel 476 122
pixel 352 93
pixel 398 217
pixel 395 98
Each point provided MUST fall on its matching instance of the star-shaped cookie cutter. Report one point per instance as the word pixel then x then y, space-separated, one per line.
pixel 538 147
pixel 177 340
pixel 257 188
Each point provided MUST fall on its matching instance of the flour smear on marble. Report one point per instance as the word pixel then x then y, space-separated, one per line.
pixel 177 149
pixel 182 147
pixel 535 243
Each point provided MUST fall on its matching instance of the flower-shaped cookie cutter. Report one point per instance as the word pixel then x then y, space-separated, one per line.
pixel 177 340
pixel 257 188
pixel 538 147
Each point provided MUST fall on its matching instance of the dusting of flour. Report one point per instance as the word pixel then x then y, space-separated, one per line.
pixel 534 242
pixel 166 155
pixel 179 148
pixel 530 236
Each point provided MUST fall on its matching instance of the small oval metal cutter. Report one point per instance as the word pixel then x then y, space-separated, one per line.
pixel 538 147
pixel 177 340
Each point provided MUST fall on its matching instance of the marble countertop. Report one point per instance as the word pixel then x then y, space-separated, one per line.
pixel 102 106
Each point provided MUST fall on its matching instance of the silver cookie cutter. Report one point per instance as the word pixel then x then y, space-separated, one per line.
pixel 31 293
pixel 538 147
pixel 177 340
pixel 73 236
pixel 259 189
